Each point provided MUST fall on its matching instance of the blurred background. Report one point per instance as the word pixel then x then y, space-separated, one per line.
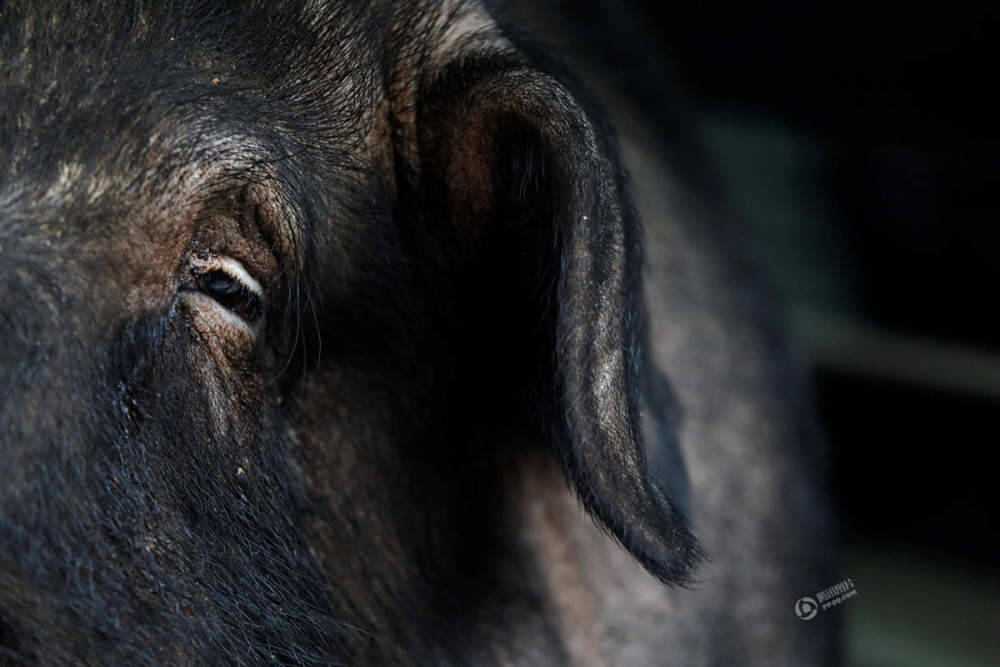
pixel 862 144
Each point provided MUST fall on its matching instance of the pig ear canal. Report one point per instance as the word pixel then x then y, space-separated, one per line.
pixel 536 202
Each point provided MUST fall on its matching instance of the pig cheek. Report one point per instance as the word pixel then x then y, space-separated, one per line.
pixel 227 359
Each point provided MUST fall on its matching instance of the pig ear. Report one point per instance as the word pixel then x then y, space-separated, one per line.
pixel 524 169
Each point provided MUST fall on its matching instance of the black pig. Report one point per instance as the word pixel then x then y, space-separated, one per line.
pixel 309 312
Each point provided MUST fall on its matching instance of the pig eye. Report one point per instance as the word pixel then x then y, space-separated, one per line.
pixel 230 292
pixel 229 285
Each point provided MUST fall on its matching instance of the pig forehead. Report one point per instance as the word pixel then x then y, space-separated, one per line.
pixel 59 57
pixel 158 107
pixel 43 40
pixel 170 161
pixel 157 99
pixel 136 136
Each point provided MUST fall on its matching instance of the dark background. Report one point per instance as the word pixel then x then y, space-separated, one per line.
pixel 895 99
pixel 880 120
pixel 862 144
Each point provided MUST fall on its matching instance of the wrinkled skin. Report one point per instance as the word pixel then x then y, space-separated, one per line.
pixel 310 313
